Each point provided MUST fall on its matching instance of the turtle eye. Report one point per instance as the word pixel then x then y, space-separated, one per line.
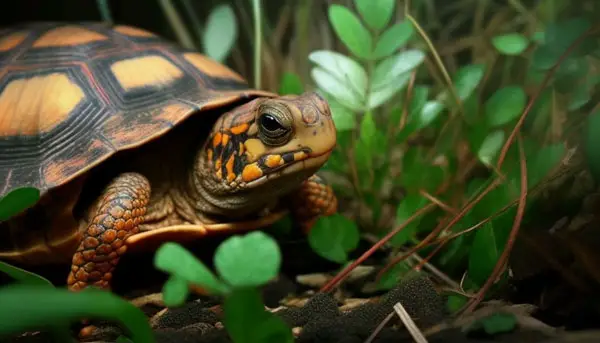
pixel 272 130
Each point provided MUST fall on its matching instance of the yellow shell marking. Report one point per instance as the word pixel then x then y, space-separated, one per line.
pixel 67 36
pixel 211 67
pixel 145 71
pixel 11 41
pixel 37 104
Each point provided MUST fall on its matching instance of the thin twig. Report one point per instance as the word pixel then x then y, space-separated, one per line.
pixel 412 328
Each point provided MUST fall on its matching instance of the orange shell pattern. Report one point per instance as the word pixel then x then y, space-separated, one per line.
pixel 72 95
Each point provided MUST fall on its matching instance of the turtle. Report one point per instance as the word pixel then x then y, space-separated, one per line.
pixel 133 140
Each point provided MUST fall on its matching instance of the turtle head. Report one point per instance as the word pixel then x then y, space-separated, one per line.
pixel 265 148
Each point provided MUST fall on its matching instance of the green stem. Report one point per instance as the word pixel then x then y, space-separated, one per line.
pixel 256 15
pixel 104 9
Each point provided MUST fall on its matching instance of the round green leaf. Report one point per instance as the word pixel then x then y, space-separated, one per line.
pixel 290 84
pixel 505 105
pixel 332 237
pixel 392 39
pixel 175 291
pixel 351 31
pixel 174 259
pixel 490 147
pixel 220 32
pixel 376 13
pixel 249 260
pixel 511 43
pixel 18 200
pixel 345 69
pixel 467 79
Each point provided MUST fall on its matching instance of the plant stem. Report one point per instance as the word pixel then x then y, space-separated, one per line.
pixel 104 9
pixel 256 14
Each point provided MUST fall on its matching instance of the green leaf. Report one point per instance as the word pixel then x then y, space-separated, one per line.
pixel 174 259
pixel 382 94
pixel 351 31
pixel 273 329
pixel 429 113
pixel 490 147
pixel 333 237
pixel 388 70
pixel 18 200
pixel 495 323
pixel 505 105
pixel 592 144
pixel 24 277
pixel 175 291
pixel 343 118
pixel 408 206
pixel 467 78
pixel 247 321
pixel 26 308
pixel 343 68
pixel 376 13
pixel 392 39
pixel 248 261
pixel 456 302
pixel 338 88
pixel 511 43
pixel 220 32
pixel 484 254
pixel 290 84
pixel 392 276
pixel 543 161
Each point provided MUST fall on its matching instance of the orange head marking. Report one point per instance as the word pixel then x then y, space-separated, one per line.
pixel 259 145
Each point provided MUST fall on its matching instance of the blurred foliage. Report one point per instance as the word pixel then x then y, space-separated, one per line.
pixel 449 116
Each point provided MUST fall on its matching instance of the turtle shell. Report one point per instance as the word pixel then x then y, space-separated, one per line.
pixel 72 95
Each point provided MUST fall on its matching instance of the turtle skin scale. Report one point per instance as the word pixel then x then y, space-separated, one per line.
pixel 133 140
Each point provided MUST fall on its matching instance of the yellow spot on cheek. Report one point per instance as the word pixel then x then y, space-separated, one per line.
pixel 273 161
pixel 254 149
pixel 229 167
pixel 299 156
pixel 209 154
pixel 218 164
pixel 251 172
pixel 236 130
pixel 242 149
pixel 216 139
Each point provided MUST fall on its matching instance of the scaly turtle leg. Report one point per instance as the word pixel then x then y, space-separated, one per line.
pixel 118 214
pixel 314 198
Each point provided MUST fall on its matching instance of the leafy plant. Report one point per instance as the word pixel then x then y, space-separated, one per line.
pixel 243 263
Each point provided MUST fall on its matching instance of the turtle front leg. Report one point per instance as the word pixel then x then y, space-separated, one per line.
pixel 117 216
pixel 314 198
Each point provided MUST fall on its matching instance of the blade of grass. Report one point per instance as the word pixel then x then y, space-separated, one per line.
pixel 31 307
pixel 104 9
pixel 256 15
pixel 23 276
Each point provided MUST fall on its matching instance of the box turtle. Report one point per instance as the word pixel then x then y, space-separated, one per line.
pixel 133 140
